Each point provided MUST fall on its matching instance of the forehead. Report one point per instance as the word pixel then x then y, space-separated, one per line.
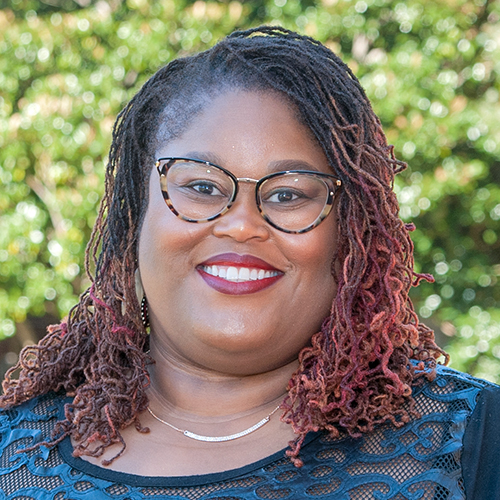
pixel 248 130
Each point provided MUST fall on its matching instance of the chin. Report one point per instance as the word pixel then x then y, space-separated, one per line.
pixel 243 352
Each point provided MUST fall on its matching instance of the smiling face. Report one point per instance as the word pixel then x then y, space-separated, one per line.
pixel 234 294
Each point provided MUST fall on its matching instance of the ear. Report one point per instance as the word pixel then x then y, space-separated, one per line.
pixel 138 286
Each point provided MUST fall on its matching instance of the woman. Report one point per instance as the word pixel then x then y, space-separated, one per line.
pixel 249 225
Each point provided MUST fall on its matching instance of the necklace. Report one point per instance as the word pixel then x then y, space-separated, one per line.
pixel 217 439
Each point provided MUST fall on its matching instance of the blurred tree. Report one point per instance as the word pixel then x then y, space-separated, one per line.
pixel 431 69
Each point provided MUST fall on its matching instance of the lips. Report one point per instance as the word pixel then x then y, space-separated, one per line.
pixel 234 274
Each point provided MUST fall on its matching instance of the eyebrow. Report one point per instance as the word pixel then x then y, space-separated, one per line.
pixel 279 165
pixel 204 156
pixel 274 166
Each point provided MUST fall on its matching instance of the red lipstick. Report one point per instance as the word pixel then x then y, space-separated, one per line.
pixel 234 274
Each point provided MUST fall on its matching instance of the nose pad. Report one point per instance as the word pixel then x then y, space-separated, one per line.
pixel 242 221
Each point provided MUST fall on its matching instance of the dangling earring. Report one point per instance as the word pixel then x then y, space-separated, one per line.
pixel 141 297
pixel 144 312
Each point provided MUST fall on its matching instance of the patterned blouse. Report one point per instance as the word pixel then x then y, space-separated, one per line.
pixel 452 452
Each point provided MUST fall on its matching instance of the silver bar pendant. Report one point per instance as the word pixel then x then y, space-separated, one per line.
pixel 213 439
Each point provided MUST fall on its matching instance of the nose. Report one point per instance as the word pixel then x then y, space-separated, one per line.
pixel 243 221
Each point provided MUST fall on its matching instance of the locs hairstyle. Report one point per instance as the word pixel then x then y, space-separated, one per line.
pixel 359 369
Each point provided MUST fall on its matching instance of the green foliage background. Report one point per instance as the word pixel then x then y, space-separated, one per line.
pixel 431 68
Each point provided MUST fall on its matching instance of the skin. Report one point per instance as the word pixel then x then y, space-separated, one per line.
pixel 223 361
pixel 222 332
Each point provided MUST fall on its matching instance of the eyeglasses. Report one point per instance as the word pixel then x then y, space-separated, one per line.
pixel 294 201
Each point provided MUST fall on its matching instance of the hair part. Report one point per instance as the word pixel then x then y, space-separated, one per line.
pixel 359 369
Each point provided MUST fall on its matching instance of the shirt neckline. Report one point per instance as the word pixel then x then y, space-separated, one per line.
pixel 125 478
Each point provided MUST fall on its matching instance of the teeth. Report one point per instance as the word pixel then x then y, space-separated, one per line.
pixel 244 274
pixel 232 274
pixel 240 274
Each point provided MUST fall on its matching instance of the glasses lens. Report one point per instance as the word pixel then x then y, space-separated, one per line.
pixel 198 191
pixel 293 201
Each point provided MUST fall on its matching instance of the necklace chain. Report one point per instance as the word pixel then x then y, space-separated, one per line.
pixel 217 439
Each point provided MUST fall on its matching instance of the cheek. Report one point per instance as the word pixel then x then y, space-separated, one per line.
pixel 162 233
pixel 164 242
pixel 314 287
pixel 317 251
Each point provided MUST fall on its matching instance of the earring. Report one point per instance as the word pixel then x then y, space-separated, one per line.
pixel 144 312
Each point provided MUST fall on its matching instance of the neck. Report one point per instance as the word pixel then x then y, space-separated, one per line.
pixel 181 389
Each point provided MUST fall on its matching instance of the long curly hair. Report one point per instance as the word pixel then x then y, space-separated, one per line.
pixel 358 370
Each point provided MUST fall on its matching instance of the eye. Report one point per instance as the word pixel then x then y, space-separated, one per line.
pixel 205 188
pixel 285 196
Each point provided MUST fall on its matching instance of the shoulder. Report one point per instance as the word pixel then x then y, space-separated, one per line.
pixel 450 385
pixel 21 428
pixel 447 373
pixel 32 421
pixel 481 437
pixel 424 458
pixel 452 396
pixel 30 470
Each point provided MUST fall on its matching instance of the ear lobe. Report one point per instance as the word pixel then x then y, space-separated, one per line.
pixel 138 286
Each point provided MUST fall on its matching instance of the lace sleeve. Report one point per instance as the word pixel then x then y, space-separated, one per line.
pixel 481 452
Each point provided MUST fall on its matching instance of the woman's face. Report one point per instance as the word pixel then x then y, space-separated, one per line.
pixel 237 327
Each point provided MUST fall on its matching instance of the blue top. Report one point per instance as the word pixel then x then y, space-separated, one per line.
pixel 450 453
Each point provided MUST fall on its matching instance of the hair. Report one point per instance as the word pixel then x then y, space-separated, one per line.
pixel 358 371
